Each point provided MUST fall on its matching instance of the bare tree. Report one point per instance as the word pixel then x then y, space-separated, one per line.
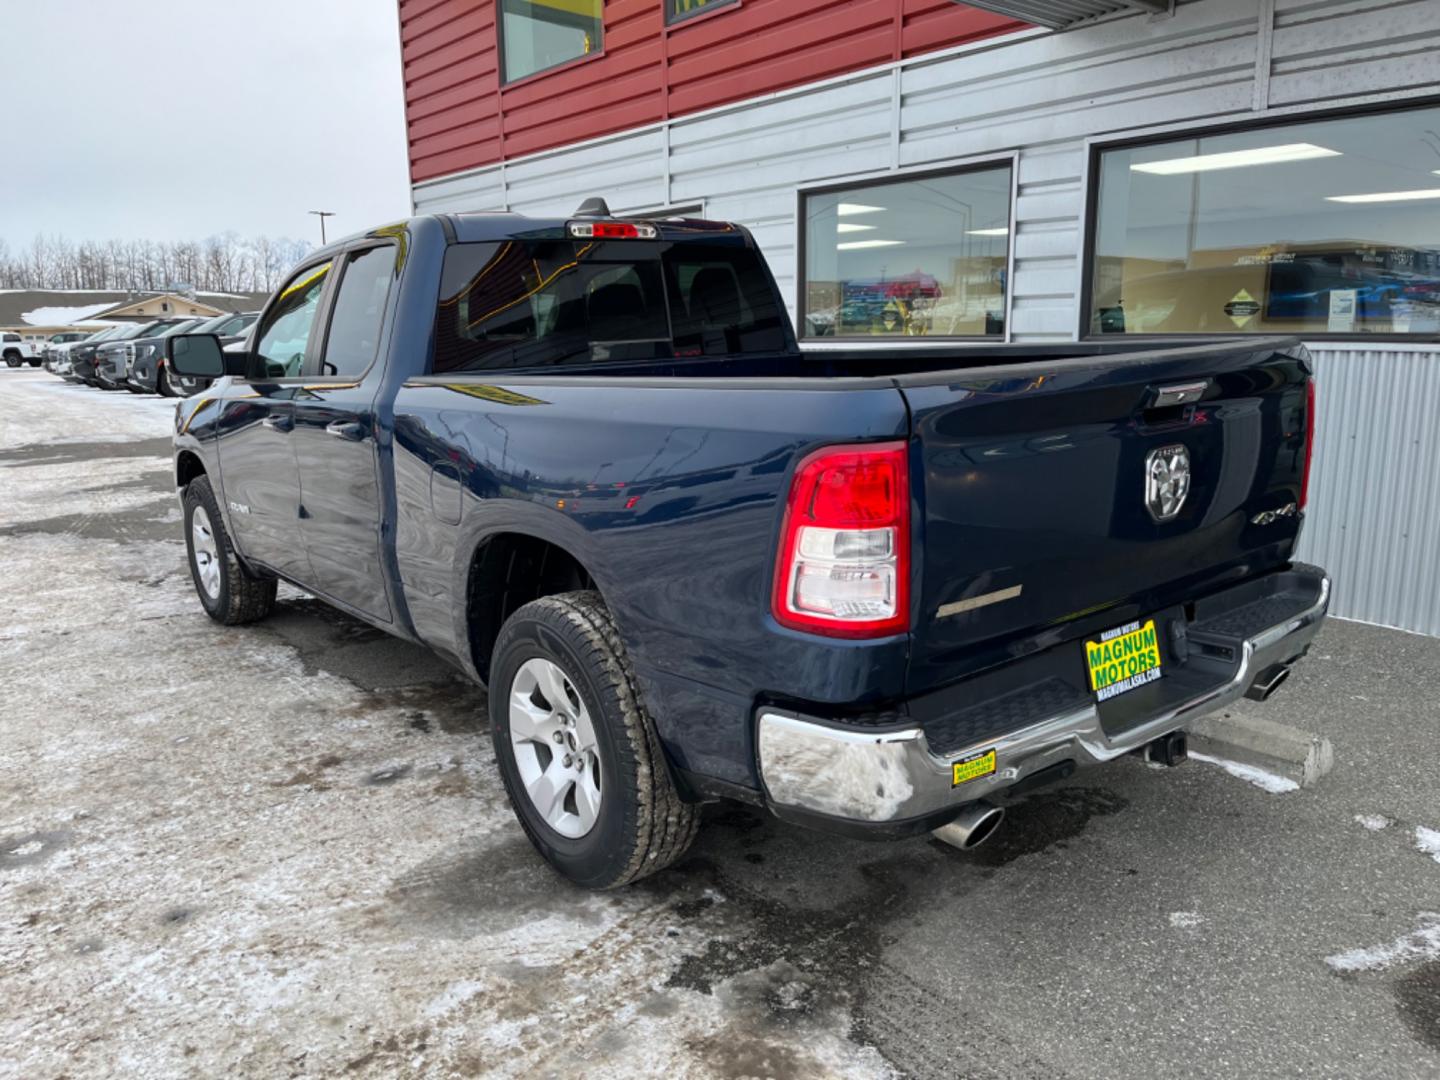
pixel 222 263
pixel 39 260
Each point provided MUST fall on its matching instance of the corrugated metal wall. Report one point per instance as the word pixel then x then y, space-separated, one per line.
pixel 1043 97
pixel 1375 485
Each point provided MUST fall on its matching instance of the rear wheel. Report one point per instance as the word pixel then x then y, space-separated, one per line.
pixel 228 591
pixel 12 359
pixel 578 752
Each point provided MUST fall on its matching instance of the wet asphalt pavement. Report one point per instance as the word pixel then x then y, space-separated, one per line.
pixel 283 850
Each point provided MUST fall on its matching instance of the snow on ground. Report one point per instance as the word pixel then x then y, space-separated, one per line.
pixel 73 413
pixel 1428 841
pixel 1374 822
pixel 1266 781
pixel 1422 944
pixel 231 860
pixel 285 850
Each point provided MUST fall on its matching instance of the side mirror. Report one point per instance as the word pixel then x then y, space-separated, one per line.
pixel 200 356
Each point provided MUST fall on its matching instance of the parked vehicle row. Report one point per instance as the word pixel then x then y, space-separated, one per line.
pixel 51 348
pixel 132 357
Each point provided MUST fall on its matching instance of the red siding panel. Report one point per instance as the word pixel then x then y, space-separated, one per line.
pixel 460 117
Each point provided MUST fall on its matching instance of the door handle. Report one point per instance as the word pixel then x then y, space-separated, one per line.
pixel 279 423
pixel 350 430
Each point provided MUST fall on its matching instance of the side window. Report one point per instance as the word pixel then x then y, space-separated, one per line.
pixel 280 344
pixel 359 312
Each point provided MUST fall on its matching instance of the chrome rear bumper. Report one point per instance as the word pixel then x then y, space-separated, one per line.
pixel 890 776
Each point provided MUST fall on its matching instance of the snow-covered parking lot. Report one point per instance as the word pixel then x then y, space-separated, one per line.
pixel 284 850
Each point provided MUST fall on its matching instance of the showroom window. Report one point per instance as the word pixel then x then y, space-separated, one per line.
pixel 540 34
pixel 1324 227
pixel 680 10
pixel 921 257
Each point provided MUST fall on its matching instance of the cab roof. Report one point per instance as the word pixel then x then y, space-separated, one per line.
pixel 469 228
pixel 489 226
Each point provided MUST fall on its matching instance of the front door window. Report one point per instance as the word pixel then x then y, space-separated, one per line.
pixel 281 344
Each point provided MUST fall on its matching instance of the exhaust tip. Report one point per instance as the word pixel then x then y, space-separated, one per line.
pixel 1267 682
pixel 972 827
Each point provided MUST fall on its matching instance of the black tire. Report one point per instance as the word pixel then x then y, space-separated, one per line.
pixel 642 825
pixel 12 359
pixel 241 597
pixel 136 389
pixel 163 385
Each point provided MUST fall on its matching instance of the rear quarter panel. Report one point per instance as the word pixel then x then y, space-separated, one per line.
pixel 670 496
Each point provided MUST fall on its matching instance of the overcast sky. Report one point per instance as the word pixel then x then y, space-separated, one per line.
pixel 178 119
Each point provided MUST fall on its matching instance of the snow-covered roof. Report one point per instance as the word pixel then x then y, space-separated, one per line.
pixel 63 316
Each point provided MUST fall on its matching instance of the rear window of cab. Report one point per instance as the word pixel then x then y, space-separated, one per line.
pixel 540 303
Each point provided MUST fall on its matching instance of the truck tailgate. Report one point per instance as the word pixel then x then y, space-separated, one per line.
pixel 1036 523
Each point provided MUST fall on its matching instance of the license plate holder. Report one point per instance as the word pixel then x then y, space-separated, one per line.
pixel 975 767
pixel 1123 659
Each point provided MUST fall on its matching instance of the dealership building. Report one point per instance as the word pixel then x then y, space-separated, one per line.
pixel 921 171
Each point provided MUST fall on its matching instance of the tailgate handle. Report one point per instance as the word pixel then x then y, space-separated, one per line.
pixel 1179 394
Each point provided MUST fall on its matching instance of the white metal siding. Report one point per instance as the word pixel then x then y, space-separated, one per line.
pixel 1375 519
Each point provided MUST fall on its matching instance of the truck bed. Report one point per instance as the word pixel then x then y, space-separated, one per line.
pixel 903 366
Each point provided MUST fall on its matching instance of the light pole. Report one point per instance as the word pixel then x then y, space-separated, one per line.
pixel 322 215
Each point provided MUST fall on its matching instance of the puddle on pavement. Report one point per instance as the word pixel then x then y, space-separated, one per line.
pixel 31 848
pixel 313 775
pixel 67 453
pixel 1417 997
pixel 485 890
pixel 389 775
pixel 146 522
pixel 328 640
pixel 1043 820
pixel 456 706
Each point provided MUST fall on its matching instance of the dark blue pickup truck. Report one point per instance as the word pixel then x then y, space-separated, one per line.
pixel 869 589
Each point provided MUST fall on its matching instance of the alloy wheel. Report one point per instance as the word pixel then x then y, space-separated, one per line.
pixel 556 753
pixel 207 552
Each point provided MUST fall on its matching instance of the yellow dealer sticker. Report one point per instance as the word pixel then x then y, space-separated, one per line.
pixel 1123 658
pixel 972 768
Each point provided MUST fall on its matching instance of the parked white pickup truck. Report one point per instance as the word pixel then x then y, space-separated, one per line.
pixel 15 350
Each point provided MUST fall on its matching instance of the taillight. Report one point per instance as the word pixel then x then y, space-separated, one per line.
pixel 844 562
pixel 1310 418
